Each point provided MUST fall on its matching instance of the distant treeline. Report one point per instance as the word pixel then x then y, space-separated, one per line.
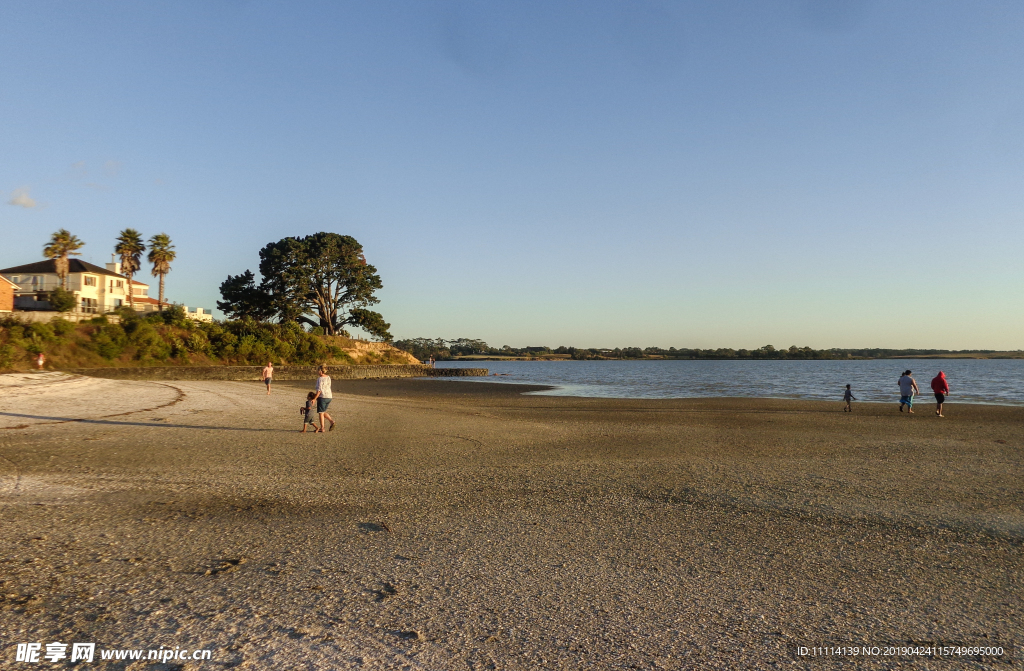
pixel 442 350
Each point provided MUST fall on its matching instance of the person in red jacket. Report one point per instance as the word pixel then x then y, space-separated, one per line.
pixel 941 388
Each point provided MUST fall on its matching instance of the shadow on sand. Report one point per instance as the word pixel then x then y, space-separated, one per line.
pixel 62 420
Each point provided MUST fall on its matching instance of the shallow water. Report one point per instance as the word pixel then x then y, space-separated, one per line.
pixel 998 381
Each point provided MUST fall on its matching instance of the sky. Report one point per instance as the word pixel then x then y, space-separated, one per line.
pixel 831 173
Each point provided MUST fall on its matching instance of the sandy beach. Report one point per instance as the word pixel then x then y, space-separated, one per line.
pixel 460 525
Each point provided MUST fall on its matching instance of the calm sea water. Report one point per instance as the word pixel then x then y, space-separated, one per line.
pixel 998 381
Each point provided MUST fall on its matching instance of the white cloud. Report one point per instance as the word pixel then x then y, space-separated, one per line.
pixel 21 198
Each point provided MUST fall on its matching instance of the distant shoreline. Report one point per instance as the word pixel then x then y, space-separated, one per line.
pixel 562 357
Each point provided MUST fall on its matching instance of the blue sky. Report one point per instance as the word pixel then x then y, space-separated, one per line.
pixel 721 174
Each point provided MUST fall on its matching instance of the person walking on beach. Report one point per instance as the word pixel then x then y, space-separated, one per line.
pixel 308 412
pixel 908 387
pixel 848 396
pixel 267 375
pixel 41 360
pixel 323 397
pixel 941 388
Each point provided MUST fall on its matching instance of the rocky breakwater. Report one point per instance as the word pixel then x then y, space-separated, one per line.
pixel 248 373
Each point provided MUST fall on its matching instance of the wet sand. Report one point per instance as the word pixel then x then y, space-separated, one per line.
pixel 459 525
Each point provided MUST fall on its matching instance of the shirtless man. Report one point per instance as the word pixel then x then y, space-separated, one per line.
pixel 268 375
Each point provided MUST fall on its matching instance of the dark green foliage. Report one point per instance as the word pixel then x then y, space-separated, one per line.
pixel 370 321
pixel 321 280
pixel 61 300
pixel 243 299
pixel 158 337
pixel 62 327
pixel 424 348
pixel 441 349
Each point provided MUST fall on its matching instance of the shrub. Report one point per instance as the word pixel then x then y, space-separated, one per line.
pixel 62 327
pixel 61 300
pixel 109 341
pixel 6 356
pixel 174 315
pixel 42 330
pixel 197 342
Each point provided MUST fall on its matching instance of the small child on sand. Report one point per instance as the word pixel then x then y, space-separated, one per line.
pixel 309 413
pixel 848 396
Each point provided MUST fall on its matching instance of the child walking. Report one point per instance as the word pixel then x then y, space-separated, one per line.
pixel 848 396
pixel 309 413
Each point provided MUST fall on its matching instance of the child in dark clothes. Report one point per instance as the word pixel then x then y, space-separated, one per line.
pixel 309 412
pixel 848 396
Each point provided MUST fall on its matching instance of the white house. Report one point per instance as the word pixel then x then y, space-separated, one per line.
pixel 97 290
pixel 199 314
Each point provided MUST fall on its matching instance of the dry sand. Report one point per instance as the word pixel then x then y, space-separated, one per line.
pixel 456 525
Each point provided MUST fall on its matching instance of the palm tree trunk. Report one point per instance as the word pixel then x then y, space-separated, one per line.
pixel 160 303
pixel 131 293
pixel 61 266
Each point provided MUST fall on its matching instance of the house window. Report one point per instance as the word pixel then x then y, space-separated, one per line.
pixel 15 279
pixel 119 284
pixel 89 304
pixel 118 302
pixel 90 281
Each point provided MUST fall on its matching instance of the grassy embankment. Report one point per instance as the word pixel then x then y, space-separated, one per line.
pixel 171 339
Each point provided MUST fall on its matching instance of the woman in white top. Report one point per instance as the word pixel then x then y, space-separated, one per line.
pixel 323 397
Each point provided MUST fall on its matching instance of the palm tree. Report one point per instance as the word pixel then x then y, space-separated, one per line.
pixel 161 253
pixel 130 247
pixel 62 245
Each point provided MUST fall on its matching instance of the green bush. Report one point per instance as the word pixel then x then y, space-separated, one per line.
pixel 41 330
pixel 6 356
pixel 61 300
pixel 109 340
pixel 34 346
pixel 62 327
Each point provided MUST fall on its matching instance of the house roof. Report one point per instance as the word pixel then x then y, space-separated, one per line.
pixel 50 266
pixel 8 281
pixel 74 266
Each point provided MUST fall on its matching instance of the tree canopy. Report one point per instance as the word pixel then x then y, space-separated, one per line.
pixel 130 248
pixel 62 245
pixel 321 280
pixel 161 253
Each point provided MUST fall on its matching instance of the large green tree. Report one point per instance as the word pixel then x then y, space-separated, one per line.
pixel 321 280
pixel 161 253
pixel 62 245
pixel 244 299
pixel 129 248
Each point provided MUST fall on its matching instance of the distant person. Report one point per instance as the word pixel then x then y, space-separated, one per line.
pixel 323 397
pixel 848 396
pixel 41 360
pixel 430 362
pixel 908 387
pixel 268 375
pixel 309 411
pixel 941 388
